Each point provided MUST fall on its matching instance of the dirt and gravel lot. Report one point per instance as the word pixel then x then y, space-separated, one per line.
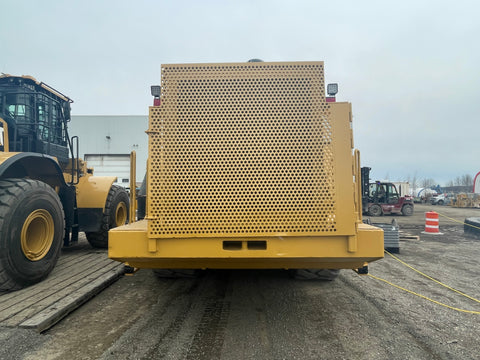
pixel 268 315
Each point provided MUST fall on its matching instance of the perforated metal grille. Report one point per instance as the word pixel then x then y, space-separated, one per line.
pixel 241 150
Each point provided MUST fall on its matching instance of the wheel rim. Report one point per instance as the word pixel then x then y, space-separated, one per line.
pixel 121 214
pixel 376 210
pixel 37 234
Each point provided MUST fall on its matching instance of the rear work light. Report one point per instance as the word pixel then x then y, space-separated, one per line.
pixel 155 90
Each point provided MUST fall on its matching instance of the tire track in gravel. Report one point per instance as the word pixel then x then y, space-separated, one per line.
pixel 159 333
pixel 187 322
pixel 209 337
pixel 389 322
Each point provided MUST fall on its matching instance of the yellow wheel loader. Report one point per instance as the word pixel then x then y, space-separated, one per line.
pixel 47 194
pixel 251 166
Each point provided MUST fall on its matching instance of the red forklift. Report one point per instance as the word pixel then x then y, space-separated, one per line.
pixel 381 198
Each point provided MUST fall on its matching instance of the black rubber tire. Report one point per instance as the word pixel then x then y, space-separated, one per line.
pixel 407 210
pixel 20 200
pixel 375 210
pixel 440 202
pixel 117 197
pixel 315 274
pixel 176 273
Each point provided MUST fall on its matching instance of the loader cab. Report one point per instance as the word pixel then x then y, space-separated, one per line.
pixel 36 116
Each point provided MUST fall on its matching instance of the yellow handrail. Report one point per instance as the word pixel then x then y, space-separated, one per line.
pixel 4 138
pixel 133 186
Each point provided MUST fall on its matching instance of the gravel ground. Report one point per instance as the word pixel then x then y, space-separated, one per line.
pixel 268 315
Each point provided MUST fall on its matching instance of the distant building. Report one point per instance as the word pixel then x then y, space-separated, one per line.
pixel 457 189
pixel 105 142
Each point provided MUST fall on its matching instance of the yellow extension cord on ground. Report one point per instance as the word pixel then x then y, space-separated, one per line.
pixel 430 278
pixel 458 221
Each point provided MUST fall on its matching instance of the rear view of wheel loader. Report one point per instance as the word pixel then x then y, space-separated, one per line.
pixel 250 167
pixel 47 194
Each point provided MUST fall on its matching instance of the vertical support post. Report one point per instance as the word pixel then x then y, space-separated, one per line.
pixel 133 186
pixel 358 184
pixel 4 136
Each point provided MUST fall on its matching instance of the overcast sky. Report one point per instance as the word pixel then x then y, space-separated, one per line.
pixel 410 68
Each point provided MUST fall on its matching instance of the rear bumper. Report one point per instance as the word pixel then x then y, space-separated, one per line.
pixel 130 244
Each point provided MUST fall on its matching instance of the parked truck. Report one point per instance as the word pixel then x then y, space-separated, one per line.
pixel 47 193
pixel 249 168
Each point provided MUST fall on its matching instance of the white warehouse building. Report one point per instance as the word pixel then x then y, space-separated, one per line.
pixel 105 142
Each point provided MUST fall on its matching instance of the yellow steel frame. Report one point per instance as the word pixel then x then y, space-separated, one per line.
pixel 249 167
pixel 130 244
pixel 92 191
pixel 6 155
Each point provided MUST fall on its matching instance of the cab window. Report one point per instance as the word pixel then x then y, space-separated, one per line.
pixel 16 110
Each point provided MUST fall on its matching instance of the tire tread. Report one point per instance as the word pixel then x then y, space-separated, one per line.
pixel 10 191
pixel 99 239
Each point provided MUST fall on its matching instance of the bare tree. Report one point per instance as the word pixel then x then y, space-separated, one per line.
pixel 413 181
pixel 467 180
pixel 428 182
pixel 464 180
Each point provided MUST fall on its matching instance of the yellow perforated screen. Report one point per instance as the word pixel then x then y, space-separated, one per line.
pixel 241 149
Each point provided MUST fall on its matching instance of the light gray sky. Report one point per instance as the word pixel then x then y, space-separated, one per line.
pixel 410 68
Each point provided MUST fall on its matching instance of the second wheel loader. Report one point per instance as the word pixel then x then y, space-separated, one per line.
pixel 47 194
